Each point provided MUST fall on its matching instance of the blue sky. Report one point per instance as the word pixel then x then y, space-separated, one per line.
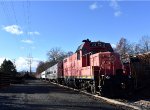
pixel 34 27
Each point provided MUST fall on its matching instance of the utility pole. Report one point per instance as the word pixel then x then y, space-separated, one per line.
pixel 29 61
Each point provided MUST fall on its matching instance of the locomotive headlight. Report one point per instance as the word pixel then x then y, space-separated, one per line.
pixel 129 76
pixel 107 77
pixel 123 86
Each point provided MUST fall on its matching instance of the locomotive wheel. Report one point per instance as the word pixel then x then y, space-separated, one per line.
pixel 77 84
pixel 101 91
pixel 106 89
pixel 92 87
pixel 93 91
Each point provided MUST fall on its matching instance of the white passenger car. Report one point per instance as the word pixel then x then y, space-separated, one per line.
pixel 43 75
pixel 52 72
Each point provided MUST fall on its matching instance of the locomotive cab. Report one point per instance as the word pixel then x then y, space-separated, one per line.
pixel 102 65
pixel 88 48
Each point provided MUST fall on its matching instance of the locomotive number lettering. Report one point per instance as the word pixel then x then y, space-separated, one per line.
pixel 97 44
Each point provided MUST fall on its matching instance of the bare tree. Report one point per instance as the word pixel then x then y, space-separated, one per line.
pixel 124 47
pixel 145 44
pixel 56 54
pixel 137 49
pixel 40 68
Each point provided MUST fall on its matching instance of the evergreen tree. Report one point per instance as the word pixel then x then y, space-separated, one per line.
pixel 8 67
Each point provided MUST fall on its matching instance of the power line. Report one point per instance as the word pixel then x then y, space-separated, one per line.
pixel 12 6
pixel 9 11
pixel 27 21
pixel 5 11
pixel 24 14
pixel 28 14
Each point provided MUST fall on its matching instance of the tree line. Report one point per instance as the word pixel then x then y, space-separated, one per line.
pixel 55 55
pixel 125 47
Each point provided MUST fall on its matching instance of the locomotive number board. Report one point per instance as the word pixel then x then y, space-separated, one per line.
pixel 97 44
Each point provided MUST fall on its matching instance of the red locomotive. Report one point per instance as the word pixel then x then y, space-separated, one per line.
pixel 95 66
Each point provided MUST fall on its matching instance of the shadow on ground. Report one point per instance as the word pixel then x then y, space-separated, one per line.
pixel 31 87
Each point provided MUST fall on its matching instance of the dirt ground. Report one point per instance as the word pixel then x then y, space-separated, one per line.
pixel 39 95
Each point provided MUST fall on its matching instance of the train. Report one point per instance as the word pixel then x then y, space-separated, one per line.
pixel 139 68
pixel 94 67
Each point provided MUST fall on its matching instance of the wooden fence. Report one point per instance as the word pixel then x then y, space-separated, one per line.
pixel 5 79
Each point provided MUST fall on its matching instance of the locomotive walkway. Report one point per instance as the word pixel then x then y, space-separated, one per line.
pixel 39 95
